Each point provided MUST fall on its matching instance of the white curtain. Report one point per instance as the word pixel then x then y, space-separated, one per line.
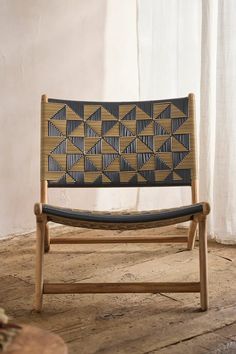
pixel 190 46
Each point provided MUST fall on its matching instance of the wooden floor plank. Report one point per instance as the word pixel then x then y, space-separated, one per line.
pixel 124 323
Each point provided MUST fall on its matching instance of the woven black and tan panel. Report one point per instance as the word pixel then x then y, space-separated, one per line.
pixel 92 144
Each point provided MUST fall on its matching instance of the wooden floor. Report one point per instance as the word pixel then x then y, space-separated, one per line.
pixel 132 323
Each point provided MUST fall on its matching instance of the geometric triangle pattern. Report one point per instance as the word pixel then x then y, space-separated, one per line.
pixel 147 143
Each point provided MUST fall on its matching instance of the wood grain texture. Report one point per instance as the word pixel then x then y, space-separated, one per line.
pixel 119 288
pixel 40 234
pixel 194 183
pixel 203 265
pixel 192 115
pixel 192 234
pixel 125 323
pixel 110 239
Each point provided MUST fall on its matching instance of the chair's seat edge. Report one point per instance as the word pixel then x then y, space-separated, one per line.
pixel 124 217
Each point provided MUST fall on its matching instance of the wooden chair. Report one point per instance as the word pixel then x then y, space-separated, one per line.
pixel 128 144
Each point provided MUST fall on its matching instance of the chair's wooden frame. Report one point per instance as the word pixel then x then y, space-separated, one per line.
pixel 43 245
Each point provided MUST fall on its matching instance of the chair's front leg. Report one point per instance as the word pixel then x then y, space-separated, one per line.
pixel 40 237
pixel 203 264
pixel 47 239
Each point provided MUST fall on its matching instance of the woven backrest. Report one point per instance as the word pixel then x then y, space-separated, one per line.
pixel 92 144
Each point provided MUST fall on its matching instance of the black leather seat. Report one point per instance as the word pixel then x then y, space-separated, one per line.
pixel 121 217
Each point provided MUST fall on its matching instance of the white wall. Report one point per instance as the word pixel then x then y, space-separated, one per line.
pixel 72 49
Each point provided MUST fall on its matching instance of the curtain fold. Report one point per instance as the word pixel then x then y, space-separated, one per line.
pixel 224 189
pixel 190 46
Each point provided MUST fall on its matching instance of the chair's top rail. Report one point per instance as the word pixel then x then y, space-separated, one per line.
pixel 115 144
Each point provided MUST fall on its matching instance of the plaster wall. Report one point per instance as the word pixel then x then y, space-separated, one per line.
pixel 67 49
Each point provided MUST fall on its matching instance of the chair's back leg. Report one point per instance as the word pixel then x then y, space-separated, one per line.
pixel 47 239
pixel 40 235
pixel 193 224
pixel 44 199
pixel 192 234
pixel 203 264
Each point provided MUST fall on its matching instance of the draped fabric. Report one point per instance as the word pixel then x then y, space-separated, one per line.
pixel 189 46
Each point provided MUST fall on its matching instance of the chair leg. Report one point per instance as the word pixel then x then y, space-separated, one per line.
pixel 40 233
pixel 203 265
pixel 47 239
pixel 192 235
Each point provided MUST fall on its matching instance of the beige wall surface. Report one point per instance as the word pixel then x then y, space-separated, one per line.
pixel 73 49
